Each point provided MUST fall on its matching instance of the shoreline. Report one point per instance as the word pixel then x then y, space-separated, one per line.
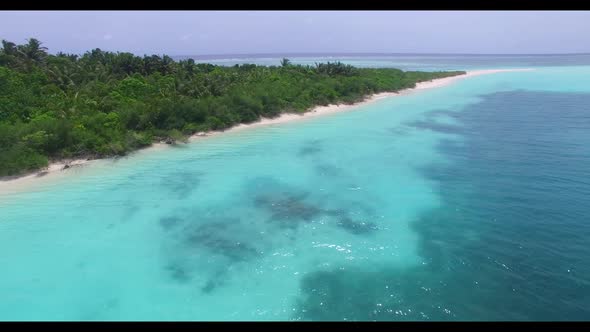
pixel 58 166
pixel 337 108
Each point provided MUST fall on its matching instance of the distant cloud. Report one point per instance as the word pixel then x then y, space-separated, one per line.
pixel 107 37
pixel 186 37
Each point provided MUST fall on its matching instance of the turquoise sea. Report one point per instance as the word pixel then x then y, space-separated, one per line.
pixel 406 61
pixel 465 202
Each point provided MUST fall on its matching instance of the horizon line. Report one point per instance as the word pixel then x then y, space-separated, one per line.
pixel 274 54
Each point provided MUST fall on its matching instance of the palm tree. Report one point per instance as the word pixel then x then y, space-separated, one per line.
pixel 65 74
pixel 34 51
pixel 7 53
pixel 167 65
pixel 285 62
pixel 71 57
pixel 9 48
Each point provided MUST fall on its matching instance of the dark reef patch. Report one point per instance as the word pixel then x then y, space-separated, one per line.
pixel 329 170
pixel 129 210
pixel 433 125
pixel 234 250
pixel 209 247
pixel 345 222
pixel 401 131
pixel 215 238
pixel 289 210
pixel 212 284
pixel 310 148
pixel 444 112
pixel 216 280
pixel 356 227
pixel 170 222
pixel 178 272
pixel 287 206
pixel 209 287
pixel 181 184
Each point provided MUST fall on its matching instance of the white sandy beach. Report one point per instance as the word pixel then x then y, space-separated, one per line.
pixel 12 183
pixel 330 109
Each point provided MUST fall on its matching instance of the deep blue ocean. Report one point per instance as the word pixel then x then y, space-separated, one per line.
pixel 465 202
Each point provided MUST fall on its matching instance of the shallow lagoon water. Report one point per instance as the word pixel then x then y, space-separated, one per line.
pixel 465 202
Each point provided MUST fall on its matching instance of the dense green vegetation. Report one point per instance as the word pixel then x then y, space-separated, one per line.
pixel 106 104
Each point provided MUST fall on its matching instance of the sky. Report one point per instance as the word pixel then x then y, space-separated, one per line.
pixel 248 32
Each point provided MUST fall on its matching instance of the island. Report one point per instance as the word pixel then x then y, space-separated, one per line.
pixel 104 104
